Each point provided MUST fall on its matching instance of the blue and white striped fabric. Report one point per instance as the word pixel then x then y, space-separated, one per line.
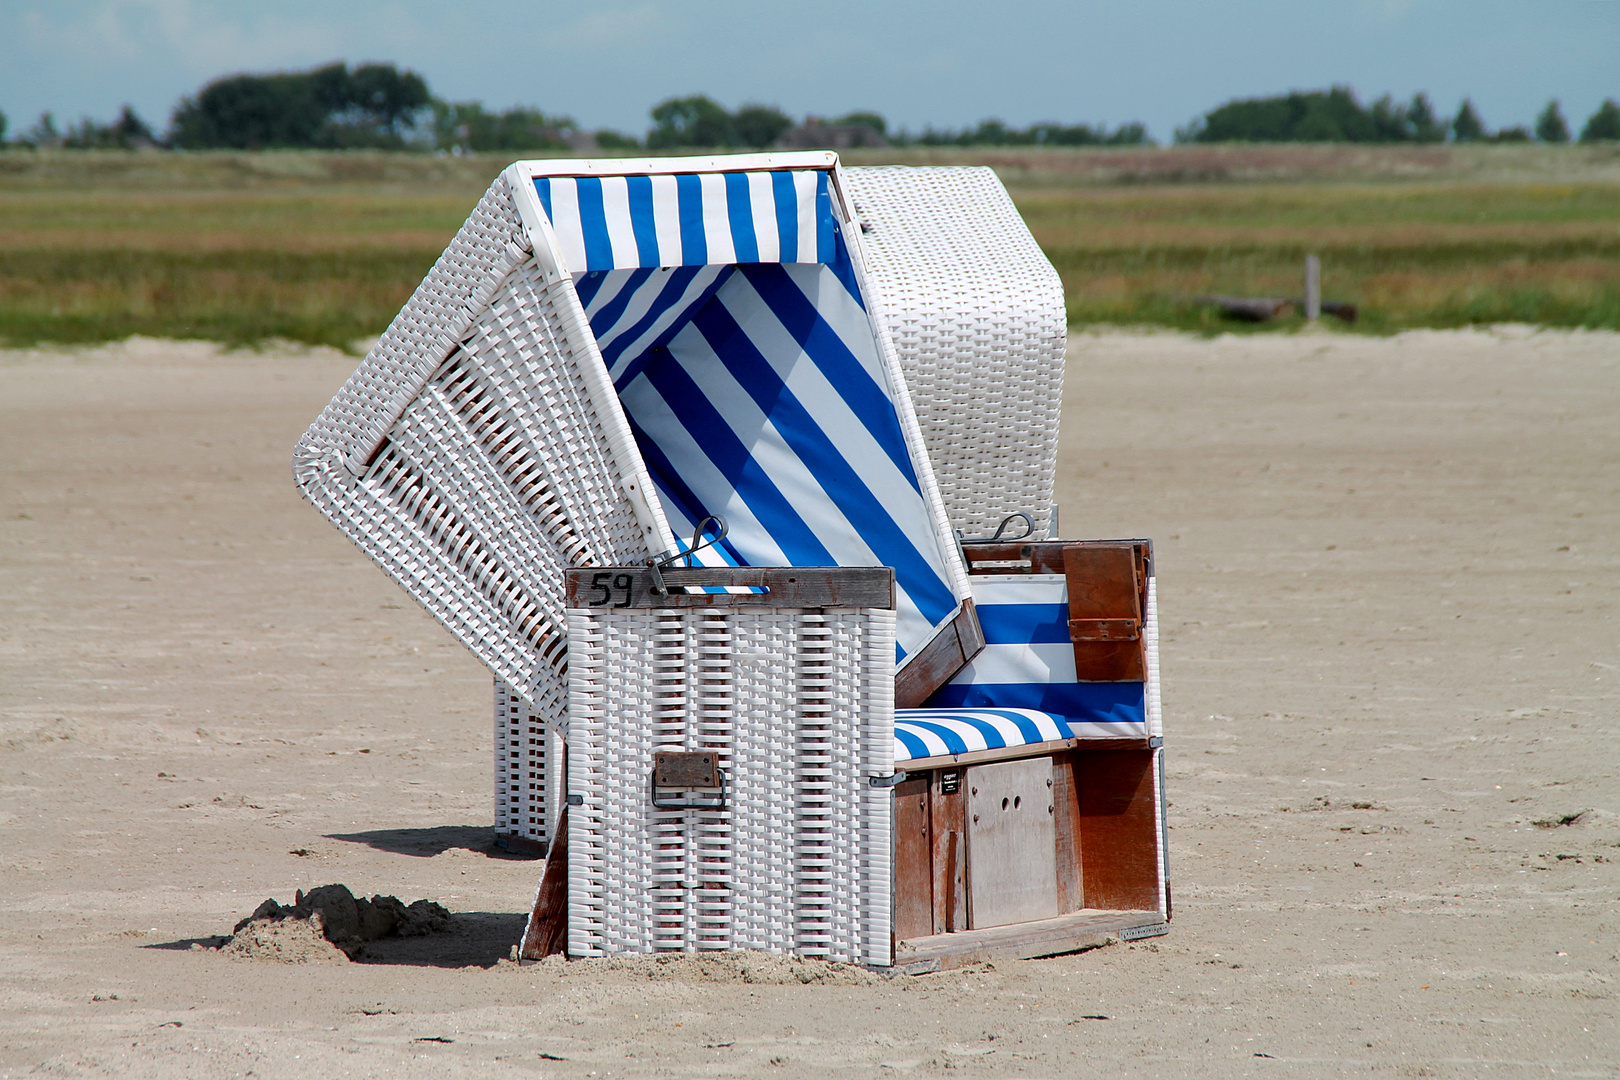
pixel 766 403
pixel 689 219
pixel 1028 661
pixel 926 733
pixel 726 310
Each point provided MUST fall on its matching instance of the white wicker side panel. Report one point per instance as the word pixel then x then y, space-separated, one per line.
pixel 1150 642
pixel 1155 728
pixel 528 751
pixel 497 476
pixel 1161 831
pixel 976 313
pixel 508 760
pixel 424 331
pixel 797 861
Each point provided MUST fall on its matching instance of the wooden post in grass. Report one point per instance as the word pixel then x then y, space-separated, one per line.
pixel 1313 288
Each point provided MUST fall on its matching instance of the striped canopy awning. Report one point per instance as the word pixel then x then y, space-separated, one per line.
pixel 689 219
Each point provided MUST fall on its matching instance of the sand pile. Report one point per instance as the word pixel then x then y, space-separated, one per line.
pixel 330 923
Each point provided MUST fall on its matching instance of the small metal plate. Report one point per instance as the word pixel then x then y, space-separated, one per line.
pixel 950 782
pixel 686 770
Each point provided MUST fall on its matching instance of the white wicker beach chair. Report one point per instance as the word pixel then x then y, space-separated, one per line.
pixel 610 356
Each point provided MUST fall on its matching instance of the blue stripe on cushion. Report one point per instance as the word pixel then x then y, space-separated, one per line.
pixel 1033 726
pixel 1109 703
pixel 1019 624
pixel 915 748
pixel 923 733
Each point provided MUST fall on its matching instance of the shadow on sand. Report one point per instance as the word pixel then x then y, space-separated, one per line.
pixel 473 939
pixel 426 843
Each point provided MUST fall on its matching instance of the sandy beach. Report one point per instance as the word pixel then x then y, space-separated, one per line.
pixel 1389 571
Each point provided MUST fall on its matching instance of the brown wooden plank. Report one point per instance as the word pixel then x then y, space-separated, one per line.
pixel 1034 557
pixel 1105 590
pixel 913 860
pixel 1066 818
pixel 1021 941
pixel 801 586
pixel 939 660
pixel 547 930
pixel 948 817
pixel 1119 844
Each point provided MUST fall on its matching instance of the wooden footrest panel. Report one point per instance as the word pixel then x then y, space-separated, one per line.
pixel 1022 941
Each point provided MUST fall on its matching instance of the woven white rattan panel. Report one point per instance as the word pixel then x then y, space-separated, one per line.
pixel 1150 641
pixel 424 331
pixel 528 752
pixel 501 470
pixel 976 313
pixel 799 705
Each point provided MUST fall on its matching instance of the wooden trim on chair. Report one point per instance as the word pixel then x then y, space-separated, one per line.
pixel 956 643
pixel 1107 585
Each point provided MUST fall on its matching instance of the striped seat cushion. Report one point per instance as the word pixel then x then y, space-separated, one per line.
pixel 926 733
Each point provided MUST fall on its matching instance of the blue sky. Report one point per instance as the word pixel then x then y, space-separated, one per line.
pixel 946 62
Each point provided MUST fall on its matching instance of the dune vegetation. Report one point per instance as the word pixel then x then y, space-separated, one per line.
pixel 324 248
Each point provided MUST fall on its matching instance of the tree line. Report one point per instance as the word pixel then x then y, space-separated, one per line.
pixel 380 106
pixel 1337 116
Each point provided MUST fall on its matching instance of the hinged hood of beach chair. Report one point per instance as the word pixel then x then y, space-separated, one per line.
pixel 609 352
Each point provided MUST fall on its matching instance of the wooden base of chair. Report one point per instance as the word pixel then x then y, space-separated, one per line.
pixel 1026 857
pixel 547 931
pixel 1078 930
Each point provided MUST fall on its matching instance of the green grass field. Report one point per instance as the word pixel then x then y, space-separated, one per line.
pixel 324 248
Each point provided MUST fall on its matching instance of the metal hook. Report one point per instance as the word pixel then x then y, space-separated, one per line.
pixel 697 535
pixel 1029 530
pixel 698 544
